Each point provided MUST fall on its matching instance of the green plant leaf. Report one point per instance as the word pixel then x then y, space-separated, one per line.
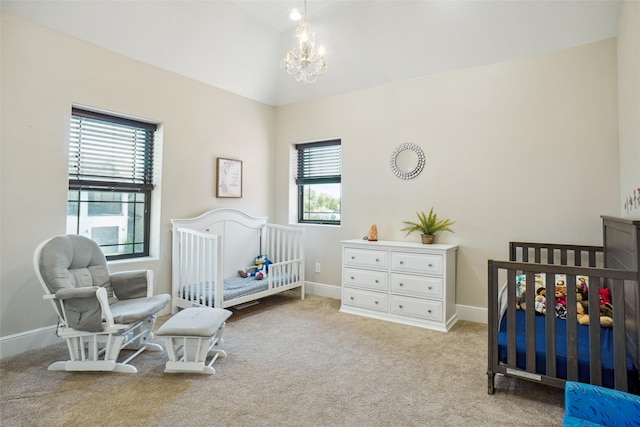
pixel 427 224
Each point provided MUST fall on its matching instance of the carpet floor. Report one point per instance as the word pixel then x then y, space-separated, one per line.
pixel 290 362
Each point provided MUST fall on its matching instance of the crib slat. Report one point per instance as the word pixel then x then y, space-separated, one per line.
pixel 572 328
pixel 550 317
pixel 595 355
pixel 537 253
pixel 619 339
pixel 531 321
pixel 577 258
pixel 511 321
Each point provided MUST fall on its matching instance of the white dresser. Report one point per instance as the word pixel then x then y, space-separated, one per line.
pixel 402 282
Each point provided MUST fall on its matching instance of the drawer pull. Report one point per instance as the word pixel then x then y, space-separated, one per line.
pixel 377 281
pixel 429 311
pixel 401 262
pixel 376 302
pixel 429 287
pixel 351 298
pixel 352 257
pixel 430 265
pixel 352 278
pixel 401 284
pixel 400 306
pixel 377 259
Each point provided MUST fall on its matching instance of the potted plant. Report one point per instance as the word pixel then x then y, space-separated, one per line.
pixel 428 226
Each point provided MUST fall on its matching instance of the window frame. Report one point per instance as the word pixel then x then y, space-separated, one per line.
pixel 138 180
pixel 304 175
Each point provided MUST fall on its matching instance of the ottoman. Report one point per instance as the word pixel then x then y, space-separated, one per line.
pixel 191 335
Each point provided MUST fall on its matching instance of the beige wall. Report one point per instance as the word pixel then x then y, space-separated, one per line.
pixel 44 73
pixel 629 105
pixel 520 150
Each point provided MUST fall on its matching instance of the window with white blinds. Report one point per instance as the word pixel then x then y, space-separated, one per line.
pixel 319 177
pixel 110 181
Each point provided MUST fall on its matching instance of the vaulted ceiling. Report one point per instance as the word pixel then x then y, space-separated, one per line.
pixel 238 45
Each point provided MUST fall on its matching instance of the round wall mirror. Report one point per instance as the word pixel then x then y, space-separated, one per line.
pixel 407 161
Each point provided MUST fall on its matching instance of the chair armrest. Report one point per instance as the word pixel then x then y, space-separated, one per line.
pixel 84 292
pixel 84 308
pixel 132 284
pixel 600 405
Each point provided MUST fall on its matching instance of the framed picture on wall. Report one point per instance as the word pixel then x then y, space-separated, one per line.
pixel 228 178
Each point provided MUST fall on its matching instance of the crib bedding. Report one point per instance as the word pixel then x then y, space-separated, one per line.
pixel 607 355
pixel 234 287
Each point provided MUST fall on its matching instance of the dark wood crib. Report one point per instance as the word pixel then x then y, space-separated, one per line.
pixel 550 350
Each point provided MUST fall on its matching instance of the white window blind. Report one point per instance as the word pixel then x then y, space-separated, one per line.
pixel 110 151
pixel 319 163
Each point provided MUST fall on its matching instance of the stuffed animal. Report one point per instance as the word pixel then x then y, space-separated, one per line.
pixel 605 296
pixel 606 313
pixel 583 314
pixel 520 302
pixel 561 299
pixel 541 304
pixel 582 285
pixel 259 269
pixel 581 293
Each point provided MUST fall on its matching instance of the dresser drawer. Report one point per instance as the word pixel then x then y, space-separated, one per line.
pixel 377 280
pixel 417 263
pixel 366 258
pixel 415 307
pixel 422 286
pixel 365 299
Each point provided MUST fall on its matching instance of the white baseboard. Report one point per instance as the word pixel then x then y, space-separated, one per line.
pixel 29 340
pixel 322 290
pixel 472 313
pixel 43 337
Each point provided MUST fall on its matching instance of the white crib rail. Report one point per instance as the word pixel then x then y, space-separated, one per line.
pixel 285 248
pixel 196 272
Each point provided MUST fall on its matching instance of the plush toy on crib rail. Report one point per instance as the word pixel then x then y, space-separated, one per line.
pixel 259 269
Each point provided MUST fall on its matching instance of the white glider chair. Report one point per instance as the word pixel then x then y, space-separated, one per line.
pixel 100 313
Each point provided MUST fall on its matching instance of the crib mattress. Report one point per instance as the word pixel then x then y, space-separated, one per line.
pixel 234 287
pixel 606 337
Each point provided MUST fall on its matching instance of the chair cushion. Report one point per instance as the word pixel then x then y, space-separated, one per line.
pixel 129 284
pixel 73 261
pixel 132 310
pixel 84 313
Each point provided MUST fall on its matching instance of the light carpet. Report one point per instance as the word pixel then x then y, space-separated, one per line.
pixel 290 362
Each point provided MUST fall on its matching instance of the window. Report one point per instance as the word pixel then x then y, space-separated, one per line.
pixel 110 182
pixel 318 177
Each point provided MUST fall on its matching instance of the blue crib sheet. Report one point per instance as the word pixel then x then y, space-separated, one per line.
pixel 606 336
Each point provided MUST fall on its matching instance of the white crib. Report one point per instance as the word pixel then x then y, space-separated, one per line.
pixel 208 251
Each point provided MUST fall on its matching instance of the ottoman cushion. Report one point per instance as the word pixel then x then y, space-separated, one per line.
pixel 194 322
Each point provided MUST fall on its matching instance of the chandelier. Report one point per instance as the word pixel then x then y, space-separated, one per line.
pixel 304 62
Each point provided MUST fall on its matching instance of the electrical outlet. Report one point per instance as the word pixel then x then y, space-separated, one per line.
pixel 317 267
